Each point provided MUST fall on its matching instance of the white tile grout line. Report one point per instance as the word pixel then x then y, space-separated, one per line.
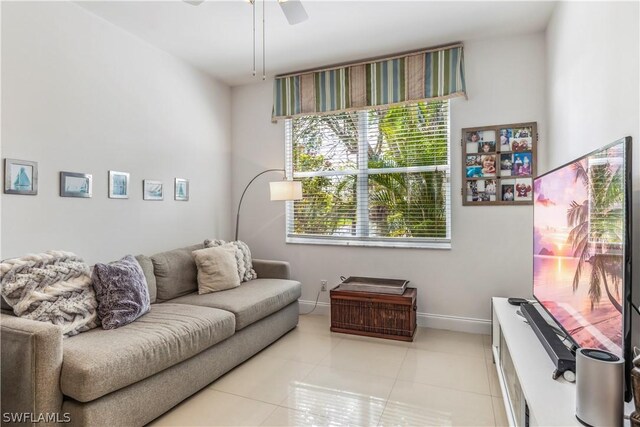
pixel 394 384
pixel 493 408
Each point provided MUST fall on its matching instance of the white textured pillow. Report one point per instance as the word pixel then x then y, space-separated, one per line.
pixel 216 269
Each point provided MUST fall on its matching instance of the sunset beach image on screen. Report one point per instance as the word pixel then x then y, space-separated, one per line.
pixel 578 248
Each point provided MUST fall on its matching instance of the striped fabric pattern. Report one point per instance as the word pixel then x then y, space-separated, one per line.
pixel 422 76
pixel 443 73
pixel 332 90
pixel 286 97
pixel 386 82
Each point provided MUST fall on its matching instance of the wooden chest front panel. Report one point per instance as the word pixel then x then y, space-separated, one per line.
pixel 378 315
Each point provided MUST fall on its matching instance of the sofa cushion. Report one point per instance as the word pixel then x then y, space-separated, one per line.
pixel 243 257
pixel 176 272
pixel 249 302
pixel 147 268
pixel 101 361
pixel 121 291
pixel 216 269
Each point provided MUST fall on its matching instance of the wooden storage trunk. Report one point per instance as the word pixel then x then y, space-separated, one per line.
pixel 374 315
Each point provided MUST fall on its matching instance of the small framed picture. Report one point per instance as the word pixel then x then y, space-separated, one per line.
pixel 20 177
pixel 521 144
pixel 521 164
pixel 474 166
pixel 152 190
pixel 488 163
pixel 118 185
pixel 522 132
pixel 506 164
pixel 473 139
pixel 501 162
pixel 505 139
pixel 490 187
pixel 508 189
pixel 523 190
pixel 472 191
pixel 487 147
pixel 73 184
pixel 481 141
pixel 181 190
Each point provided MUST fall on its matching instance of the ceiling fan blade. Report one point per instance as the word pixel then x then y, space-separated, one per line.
pixel 194 2
pixel 294 11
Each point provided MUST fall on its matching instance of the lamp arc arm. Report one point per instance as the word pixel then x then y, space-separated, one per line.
pixel 245 190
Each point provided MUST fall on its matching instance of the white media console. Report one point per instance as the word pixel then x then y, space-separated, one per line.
pixel 531 396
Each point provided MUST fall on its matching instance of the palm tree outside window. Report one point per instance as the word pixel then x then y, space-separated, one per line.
pixel 373 177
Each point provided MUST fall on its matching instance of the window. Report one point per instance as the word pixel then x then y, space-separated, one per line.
pixel 372 177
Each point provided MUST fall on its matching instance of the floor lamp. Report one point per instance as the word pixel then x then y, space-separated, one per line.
pixel 279 190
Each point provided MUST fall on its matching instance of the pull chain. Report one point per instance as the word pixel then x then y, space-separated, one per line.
pixel 253 9
pixel 264 73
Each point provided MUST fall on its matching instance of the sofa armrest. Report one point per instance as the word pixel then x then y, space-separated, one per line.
pixel 31 353
pixel 267 269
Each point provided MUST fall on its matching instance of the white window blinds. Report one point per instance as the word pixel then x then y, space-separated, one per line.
pixel 373 177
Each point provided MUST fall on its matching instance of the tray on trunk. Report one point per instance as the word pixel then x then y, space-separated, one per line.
pixel 374 284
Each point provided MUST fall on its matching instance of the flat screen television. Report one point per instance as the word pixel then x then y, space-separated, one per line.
pixel 582 248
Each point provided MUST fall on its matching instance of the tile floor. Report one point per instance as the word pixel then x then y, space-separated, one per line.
pixel 312 376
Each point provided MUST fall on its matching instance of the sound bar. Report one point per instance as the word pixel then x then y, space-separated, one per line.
pixel 560 355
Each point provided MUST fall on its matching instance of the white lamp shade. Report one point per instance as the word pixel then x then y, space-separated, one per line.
pixel 285 190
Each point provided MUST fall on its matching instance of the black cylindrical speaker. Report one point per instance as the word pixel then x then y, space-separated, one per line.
pixel 599 388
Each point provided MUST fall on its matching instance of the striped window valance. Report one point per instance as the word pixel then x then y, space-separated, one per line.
pixel 429 74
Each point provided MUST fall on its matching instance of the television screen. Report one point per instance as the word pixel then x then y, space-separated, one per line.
pixel 580 253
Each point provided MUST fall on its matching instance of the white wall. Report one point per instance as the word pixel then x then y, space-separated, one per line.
pixel 81 95
pixel 491 254
pixel 593 73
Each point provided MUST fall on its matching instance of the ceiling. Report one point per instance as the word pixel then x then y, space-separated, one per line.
pixel 216 36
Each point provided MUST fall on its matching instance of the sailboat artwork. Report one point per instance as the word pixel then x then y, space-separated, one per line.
pixel 75 184
pixel 181 189
pixel 21 177
pixel 152 190
pixel 22 182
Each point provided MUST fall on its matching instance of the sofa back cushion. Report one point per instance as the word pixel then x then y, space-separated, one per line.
pixel 176 273
pixel 147 268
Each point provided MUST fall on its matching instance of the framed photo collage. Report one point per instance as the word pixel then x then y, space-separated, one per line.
pixel 499 163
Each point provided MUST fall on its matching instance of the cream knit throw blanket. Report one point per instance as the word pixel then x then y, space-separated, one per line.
pixel 54 287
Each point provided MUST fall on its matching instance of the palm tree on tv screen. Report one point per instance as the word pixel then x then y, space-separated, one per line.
pixel 597 234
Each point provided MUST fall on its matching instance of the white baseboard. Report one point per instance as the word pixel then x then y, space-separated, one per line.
pixel 323 308
pixel 435 321
pixel 455 323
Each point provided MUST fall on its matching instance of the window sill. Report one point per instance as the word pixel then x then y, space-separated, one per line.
pixel 368 244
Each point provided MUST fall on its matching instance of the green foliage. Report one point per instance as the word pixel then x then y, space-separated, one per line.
pixel 328 207
pixel 408 204
pixel 400 204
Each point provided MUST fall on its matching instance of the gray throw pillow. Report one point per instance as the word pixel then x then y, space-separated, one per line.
pixel 243 257
pixel 121 290
pixel 216 269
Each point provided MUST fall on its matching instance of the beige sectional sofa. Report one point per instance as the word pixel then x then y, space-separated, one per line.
pixel 133 374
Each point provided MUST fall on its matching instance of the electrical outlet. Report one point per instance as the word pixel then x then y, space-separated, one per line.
pixel 323 285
